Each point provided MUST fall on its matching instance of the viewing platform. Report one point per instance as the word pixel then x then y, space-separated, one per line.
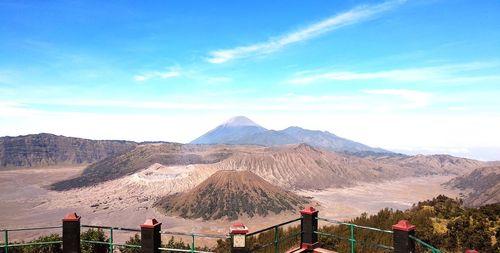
pixel 302 235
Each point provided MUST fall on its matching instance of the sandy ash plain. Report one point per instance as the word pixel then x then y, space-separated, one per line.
pixel 126 202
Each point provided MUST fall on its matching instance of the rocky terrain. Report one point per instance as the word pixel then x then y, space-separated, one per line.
pixel 231 194
pixel 483 184
pixel 142 157
pixel 291 166
pixel 305 167
pixel 48 149
pixel 241 130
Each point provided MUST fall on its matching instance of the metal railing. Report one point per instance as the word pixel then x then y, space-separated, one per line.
pixel 7 245
pixel 111 244
pixel 424 244
pixel 277 239
pixel 193 236
pixel 254 239
pixel 351 239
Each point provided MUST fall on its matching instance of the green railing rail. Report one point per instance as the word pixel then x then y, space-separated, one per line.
pixel 352 238
pixel 7 245
pixel 110 241
pixel 193 236
pixel 277 239
pixel 424 244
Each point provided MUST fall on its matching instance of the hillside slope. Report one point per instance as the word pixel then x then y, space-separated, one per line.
pixel 290 166
pixel 48 149
pixel 484 184
pixel 305 167
pixel 231 194
pixel 141 158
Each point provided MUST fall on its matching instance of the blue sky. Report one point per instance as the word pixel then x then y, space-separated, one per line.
pixel 411 76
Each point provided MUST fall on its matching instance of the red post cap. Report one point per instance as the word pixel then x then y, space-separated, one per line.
pixel 471 251
pixel 150 223
pixel 308 210
pixel 403 225
pixel 238 228
pixel 71 217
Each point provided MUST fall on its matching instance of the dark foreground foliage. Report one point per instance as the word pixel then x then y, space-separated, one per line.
pixel 442 222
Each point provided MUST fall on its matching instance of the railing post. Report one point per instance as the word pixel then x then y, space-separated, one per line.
pixel 150 236
pixel 238 233
pixel 71 233
pixel 6 241
pixel 401 240
pixel 309 226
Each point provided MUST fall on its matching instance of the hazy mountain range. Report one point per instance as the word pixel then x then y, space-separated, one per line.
pixel 49 149
pixel 241 130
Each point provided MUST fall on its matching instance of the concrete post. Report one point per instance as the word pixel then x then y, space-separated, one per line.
pixel 71 233
pixel 238 233
pixel 150 236
pixel 309 224
pixel 401 241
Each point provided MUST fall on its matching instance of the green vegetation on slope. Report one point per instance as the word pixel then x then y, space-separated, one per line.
pixel 442 222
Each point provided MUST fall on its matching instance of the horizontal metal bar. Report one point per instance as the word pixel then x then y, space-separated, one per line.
pixel 184 250
pixel 260 231
pixel 357 226
pixel 333 221
pixel 357 241
pixel 273 227
pixel 114 228
pixel 127 245
pixel 33 228
pixel 374 229
pixel 95 242
pixel 196 235
pixel 33 243
pixel 332 235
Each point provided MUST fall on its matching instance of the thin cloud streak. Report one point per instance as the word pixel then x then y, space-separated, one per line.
pixel 399 100
pixel 157 74
pixel 453 73
pixel 418 99
pixel 350 17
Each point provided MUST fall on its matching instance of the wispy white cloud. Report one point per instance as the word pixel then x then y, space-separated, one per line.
pixel 417 98
pixel 350 17
pixel 171 73
pixel 453 73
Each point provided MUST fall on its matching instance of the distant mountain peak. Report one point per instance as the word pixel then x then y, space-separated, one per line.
pixel 242 130
pixel 239 121
pixel 230 131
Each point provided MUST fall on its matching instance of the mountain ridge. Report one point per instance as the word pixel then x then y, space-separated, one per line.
pixel 253 134
pixel 46 149
pixel 483 183
pixel 294 166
